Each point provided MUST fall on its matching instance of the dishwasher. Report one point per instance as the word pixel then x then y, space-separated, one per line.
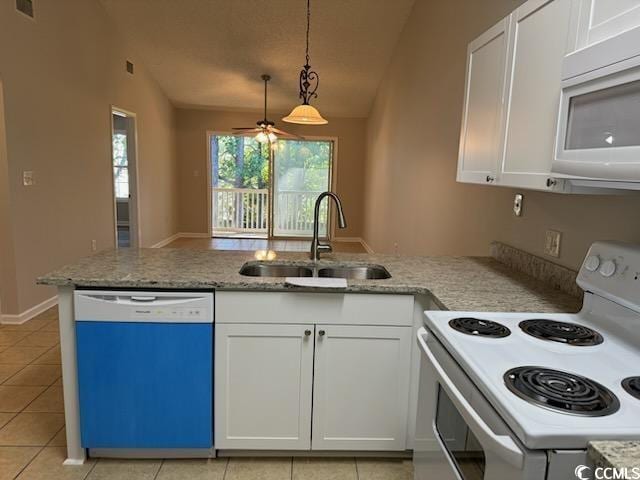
pixel 145 372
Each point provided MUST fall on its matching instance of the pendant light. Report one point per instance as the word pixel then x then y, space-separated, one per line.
pixel 306 114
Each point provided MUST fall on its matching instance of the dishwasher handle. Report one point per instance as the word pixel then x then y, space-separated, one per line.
pixel 143 299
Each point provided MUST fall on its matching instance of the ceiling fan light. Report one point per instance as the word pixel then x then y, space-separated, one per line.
pixel 272 137
pixel 305 115
pixel 262 137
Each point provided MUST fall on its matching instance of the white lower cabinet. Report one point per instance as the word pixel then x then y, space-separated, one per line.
pixel 361 387
pixel 312 385
pixel 263 384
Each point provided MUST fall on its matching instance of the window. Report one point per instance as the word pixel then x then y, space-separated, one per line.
pixel 120 165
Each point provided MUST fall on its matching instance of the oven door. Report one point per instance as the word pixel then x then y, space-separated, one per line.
pixel 472 441
pixel 598 132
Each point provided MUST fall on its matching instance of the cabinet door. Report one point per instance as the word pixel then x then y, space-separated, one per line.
pixel 482 117
pixel 361 389
pixel 263 386
pixel 541 35
pixel 602 19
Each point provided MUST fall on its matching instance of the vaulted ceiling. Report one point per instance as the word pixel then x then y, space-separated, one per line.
pixel 211 53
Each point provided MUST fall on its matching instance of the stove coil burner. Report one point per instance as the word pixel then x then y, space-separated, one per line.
pixel 479 327
pixel 561 391
pixel 561 332
pixel 632 386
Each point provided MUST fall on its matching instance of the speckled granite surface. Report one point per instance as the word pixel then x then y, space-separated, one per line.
pixel 457 283
pixel 554 275
pixel 615 454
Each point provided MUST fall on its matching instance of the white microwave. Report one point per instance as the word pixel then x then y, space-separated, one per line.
pixel 598 130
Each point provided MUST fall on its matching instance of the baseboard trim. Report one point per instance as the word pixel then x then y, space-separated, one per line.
pixel 366 246
pixel 354 240
pixel 347 239
pixel 29 313
pixel 176 236
pixel 194 235
pixel 166 241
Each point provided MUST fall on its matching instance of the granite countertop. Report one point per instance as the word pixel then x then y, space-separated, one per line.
pixel 456 283
pixel 615 454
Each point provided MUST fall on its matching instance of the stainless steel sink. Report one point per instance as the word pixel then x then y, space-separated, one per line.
pixel 356 272
pixel 371 272
pixel 274 270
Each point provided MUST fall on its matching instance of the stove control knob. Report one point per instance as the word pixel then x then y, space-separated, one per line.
pixel 608 268
pixel 592 263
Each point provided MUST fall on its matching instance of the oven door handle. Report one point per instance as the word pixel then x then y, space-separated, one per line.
pixel 502 445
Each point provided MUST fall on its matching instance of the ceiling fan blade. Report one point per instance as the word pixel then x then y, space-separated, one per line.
pixel 282 133
pixel 246 129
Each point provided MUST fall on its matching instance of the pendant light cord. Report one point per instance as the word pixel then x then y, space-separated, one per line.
pixel 308 23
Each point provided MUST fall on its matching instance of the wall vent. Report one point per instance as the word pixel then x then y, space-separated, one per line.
pixel 129 67
pixel 25 6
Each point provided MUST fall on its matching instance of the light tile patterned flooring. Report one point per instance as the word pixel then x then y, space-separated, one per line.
pixel 252 244
pixel 32 434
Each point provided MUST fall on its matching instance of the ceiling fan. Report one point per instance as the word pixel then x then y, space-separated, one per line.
pixel 266 132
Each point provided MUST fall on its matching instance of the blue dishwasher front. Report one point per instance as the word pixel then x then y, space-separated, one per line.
pixel 144 383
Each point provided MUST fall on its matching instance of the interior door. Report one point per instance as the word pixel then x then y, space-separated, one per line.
pixel 483 113
pixel 264 376
pixel 124 163
pixel 301 172
pixel 361 389
pixel 542 33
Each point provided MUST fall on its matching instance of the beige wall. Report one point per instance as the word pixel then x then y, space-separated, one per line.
pixel 8 290
pixel 192 127
pixel 412 199
pixel 60 77
pixel 411 196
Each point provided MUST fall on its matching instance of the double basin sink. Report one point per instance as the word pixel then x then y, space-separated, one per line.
pixel 356 272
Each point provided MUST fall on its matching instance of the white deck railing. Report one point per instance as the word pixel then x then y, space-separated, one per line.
pixel 246 210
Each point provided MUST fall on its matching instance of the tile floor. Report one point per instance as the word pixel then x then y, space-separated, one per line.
pixel 32 435
pixel 252 244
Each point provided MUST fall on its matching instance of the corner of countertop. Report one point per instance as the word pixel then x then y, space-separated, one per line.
pixel 615 454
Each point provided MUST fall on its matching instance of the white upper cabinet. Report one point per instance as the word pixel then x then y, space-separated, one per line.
pixel 514 72
pixel 542 33
pixel 483 114
pixel 602 19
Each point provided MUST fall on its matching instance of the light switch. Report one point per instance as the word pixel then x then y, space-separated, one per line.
pixel 28 178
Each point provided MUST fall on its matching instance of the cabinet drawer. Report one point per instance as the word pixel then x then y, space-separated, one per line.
pixel 312 308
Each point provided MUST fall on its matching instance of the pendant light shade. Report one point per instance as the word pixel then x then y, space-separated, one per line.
pixel 305 114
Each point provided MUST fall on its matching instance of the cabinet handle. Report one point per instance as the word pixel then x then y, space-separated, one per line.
pixel 321 333
pixel 307 333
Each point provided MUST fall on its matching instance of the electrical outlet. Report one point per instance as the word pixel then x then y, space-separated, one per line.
pixel 27 178
pixel 94 245
pixel 552 243
pixel 517 204
pixel 395 248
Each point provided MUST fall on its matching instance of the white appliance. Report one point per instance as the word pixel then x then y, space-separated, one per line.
pixel 598 131
pixel 520 395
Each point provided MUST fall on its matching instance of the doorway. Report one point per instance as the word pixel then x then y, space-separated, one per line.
pixel 262 191
pixel 124 168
